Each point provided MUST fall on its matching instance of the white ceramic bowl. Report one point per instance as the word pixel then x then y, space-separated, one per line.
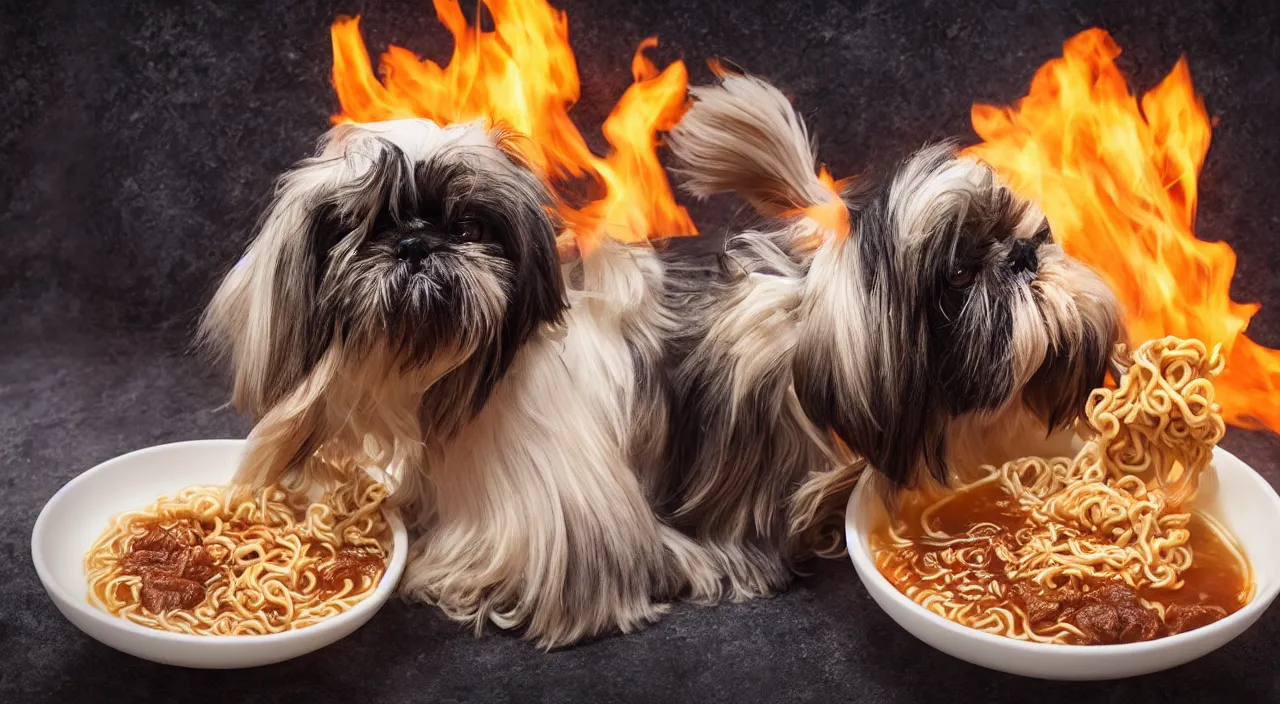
pixel 76 515
pixel 1253 517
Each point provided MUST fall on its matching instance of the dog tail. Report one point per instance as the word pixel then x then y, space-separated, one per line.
pixel 742 135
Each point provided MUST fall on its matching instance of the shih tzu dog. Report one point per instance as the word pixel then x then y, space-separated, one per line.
pixel 403 303
pixel 575 444
pixel 940 329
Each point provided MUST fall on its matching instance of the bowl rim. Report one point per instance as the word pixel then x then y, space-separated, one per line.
pixel 866 569
pixel 390 578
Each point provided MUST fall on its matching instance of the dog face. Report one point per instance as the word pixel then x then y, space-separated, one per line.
pixel 393 280
pixel 949 301
pixel 401 241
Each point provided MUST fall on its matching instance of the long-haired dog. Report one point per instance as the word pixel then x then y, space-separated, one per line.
pixel 944 327
pixel 404 303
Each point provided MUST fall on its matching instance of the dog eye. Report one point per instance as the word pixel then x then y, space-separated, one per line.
pixel 469 230
pixel 961 275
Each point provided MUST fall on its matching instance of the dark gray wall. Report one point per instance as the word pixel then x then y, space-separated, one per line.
pixel 138 139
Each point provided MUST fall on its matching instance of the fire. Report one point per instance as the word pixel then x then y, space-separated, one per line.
pixel 832 213
pixel 1117 180
pixel 523 74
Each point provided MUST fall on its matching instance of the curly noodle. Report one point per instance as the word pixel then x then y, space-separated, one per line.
pixel 210 561
pixel 1114 513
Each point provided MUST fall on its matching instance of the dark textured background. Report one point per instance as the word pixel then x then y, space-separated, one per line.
pixel 137 142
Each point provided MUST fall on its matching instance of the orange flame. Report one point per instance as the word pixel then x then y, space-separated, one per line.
pixel 1118 185
pixel 830 214
pixel 523 74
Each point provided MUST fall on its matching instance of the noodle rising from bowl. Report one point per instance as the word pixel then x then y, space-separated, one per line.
pixel 210 562
pixel 1097 549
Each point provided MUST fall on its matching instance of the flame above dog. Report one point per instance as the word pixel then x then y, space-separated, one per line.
pixel 523 74
pixel 1117 179
pixel 403 305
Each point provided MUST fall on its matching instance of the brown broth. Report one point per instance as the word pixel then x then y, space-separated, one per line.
pixel 1213 587
pixel 1214 578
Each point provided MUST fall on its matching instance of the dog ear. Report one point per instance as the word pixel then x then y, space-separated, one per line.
pixel 898 427
pixel 527 209
pixel 861 370
pixel 264 317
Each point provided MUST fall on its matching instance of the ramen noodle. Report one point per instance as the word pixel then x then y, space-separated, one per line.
pixel 1100 548
pixel 209 561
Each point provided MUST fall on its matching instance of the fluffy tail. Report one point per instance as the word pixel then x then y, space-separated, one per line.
pixel 743 136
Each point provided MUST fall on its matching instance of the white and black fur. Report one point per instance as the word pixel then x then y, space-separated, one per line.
pixel 942 330
pixel 576 444
pixel 404 305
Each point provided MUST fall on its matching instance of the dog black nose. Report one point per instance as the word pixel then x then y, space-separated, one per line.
pixel 413 249
pixel 1023 257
